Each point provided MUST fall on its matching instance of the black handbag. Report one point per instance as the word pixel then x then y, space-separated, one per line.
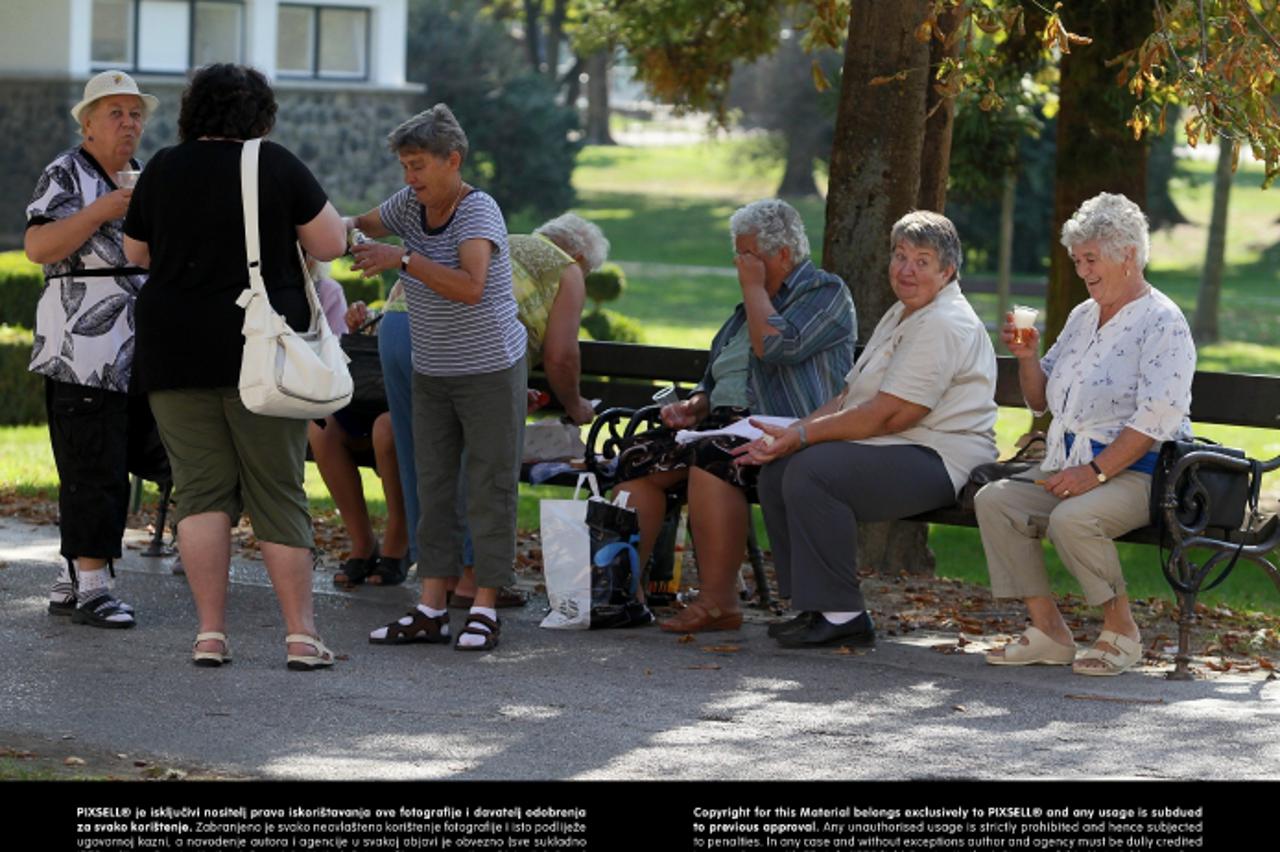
pixel 370 396
pixel 1022 461
pixel 1206 496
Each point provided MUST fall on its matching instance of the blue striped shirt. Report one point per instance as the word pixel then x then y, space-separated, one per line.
pixel 450 338
pixel 805 364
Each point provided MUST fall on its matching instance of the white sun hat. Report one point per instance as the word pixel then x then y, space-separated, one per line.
pixel 113 83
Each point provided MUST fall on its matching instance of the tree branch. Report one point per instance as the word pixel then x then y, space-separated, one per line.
pixel 1257 22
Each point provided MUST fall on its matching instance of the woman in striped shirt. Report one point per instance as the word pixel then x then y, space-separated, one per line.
pixel 469 371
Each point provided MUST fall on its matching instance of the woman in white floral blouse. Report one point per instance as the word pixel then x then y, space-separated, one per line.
pixel 1118 383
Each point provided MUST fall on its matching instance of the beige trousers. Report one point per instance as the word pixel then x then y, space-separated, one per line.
pixel 1013 516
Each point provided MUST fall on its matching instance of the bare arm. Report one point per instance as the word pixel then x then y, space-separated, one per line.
pixel 883 414
pixel 370 223
pixel 1031 377
pixel 52 242
pixel 138 252
pixel 465 285
pixel 561 358
pixel 324 237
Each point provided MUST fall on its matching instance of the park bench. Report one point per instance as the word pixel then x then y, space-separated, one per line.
pixel 625 376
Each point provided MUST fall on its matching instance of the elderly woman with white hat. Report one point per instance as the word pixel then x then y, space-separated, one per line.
pixel 84 342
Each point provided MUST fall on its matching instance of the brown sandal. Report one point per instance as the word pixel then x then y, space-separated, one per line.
pixel 697 618
pixel 422 628
pixel 490 635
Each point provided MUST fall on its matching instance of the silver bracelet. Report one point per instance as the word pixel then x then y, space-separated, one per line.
pixel 804 436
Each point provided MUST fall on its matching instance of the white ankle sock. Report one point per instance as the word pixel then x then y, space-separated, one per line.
pixel 93 584
pixel 475 640
pixel 841 617
pixel 64 590
pixel 381 632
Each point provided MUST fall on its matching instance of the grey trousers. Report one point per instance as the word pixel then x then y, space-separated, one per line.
pixel 482 414
pixel 814 499
pixel 1013 516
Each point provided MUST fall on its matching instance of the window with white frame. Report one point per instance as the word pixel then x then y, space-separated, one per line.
pixel 322 41
pixel 166 36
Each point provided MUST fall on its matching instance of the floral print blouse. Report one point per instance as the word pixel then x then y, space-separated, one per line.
pixel 1134 372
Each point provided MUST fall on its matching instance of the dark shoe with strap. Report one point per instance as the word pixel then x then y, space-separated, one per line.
pixel 421 628
pixel 492 629
pixel 389 571
pixel 356 570
pixel 98 609
pixel 821 633
pixel 800 622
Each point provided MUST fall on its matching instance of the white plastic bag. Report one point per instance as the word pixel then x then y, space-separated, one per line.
pixel 566 559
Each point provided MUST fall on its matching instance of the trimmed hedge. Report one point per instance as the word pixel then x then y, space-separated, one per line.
pixel 20 285
pixel 21 390
pixel 611 325
pixel 606 284
pixel 358 288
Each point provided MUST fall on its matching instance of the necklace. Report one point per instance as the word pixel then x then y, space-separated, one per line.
pixel 462 188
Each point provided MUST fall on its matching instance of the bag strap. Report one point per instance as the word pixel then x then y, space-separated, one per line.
pixel 590 479
pixel 249 201
pixel 249 155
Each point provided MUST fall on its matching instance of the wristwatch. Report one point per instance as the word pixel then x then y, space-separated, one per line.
pixel 1102 477
pixel 404 262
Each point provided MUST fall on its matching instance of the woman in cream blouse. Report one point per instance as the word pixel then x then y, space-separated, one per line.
pixel 1118 382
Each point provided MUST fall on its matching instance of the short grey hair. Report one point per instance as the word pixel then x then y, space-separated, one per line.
pixel 1115 222
pixel 434 131
pixel 774 223
pixel 577 236
pixel 927 229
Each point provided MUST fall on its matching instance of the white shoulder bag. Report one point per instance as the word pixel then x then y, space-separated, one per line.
pixel 284 373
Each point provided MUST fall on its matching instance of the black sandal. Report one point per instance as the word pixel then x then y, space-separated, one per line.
pixel 389 571
pixel 355 570
pixel 490 635
pixel 422 628
pixel 96 611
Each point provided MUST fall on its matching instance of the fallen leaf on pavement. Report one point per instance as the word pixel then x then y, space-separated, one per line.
pixel 685 639
pixel 705 667
pixel 74 761
pixel 722 649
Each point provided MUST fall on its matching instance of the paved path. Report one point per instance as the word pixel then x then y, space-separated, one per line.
pixel 618 705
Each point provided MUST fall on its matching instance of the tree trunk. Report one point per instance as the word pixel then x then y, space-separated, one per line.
pixel 803 146
pixel 555 34
pixel 1162 210
pixel 1205 329
pixel 1096 151
pixel 533 33
pixel 572 81
pixel 941 114
pixel 598 99
pixel 878 161
pixel 1004 272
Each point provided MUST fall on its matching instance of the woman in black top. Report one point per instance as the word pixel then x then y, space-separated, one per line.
pixel 186 224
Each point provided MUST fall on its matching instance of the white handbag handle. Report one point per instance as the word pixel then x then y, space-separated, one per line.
pixel 589 478
pixel 249 154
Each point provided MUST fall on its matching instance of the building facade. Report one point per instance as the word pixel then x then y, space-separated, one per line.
pixel 337 67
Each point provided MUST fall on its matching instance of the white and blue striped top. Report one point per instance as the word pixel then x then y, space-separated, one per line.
pixel 450 338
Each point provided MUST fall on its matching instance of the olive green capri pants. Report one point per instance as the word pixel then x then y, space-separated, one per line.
pixel 227 459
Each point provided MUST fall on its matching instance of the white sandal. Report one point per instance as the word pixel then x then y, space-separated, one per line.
pixel 1127 652
pixel 211 659
pixel 1033 647
pixel 322 658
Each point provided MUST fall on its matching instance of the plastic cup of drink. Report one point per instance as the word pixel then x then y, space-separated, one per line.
pixel 666 396
pixel 1024 319
pixel 127 178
